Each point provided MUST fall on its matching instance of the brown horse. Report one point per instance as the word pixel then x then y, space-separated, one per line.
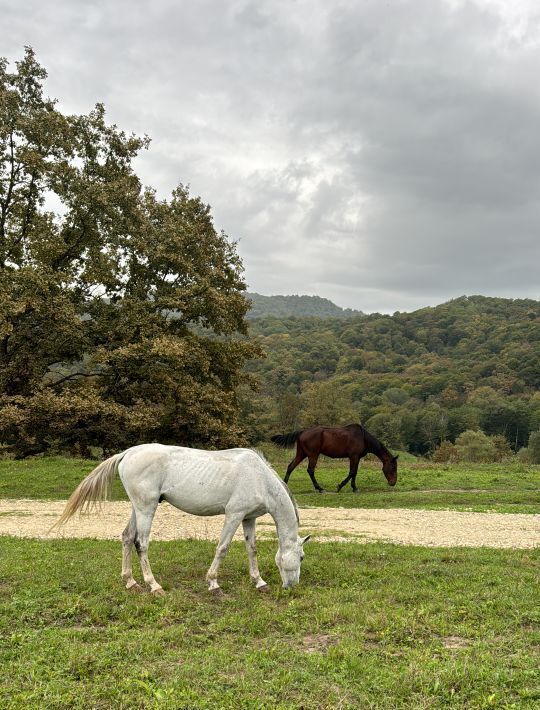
pixel 351 441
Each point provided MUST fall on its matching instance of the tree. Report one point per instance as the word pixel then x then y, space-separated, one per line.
pixel 122 315
pixel 386 425
pixel 327 404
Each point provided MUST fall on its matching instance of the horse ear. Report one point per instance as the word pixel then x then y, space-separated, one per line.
pixel 308 537
pixel 396 457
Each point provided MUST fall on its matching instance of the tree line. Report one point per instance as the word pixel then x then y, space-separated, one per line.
pixel 414 379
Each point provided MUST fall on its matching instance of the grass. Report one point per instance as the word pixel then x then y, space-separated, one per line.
pixel 370 626
pixel 506 487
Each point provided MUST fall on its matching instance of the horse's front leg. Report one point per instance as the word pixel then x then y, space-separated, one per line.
pixel 344 482
pixel 249 539
pixel 232 521
pixel 355 461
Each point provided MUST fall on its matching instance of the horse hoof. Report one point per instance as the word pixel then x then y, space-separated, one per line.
pixel 264 588
pixel 158 592
pixel 356 491
pixel 217 592
pixel 321 490
pixel 135 588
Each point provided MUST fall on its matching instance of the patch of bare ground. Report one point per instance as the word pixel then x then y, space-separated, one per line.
pixel 432 528
pixel 318 643
pixel 455 642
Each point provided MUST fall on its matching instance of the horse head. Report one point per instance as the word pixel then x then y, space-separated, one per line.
pixel 390 470
pixel 289 562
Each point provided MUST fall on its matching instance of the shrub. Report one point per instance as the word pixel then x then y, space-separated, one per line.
pixel 446 453
pixel 534 447
pixel 476 447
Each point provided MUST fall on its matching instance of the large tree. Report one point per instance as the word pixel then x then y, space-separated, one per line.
pixel 121 315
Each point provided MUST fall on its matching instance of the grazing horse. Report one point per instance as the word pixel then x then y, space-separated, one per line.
pixel 351 441
pixel 236 482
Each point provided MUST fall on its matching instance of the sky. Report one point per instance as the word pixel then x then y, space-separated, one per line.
pixel 384 154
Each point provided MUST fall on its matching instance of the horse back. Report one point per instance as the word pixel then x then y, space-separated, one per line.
pixel 335 442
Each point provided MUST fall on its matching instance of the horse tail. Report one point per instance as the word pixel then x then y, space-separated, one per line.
pixel 286 440
pixel 95 488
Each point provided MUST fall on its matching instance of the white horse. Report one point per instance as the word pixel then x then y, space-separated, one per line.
pixel 236 482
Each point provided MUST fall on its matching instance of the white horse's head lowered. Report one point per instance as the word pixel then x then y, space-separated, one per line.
pixel 289 562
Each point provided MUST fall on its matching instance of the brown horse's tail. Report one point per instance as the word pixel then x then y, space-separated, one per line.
pixel 286 440
pixel 92 490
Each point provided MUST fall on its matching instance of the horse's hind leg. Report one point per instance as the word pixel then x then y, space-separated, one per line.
pixel 144 523
pixel 311 470
pixel 232 521
pixel 128 539
pixel 249 538
pixel 300 456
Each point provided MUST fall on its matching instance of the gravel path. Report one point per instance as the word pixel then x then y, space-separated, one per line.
pixel 440 528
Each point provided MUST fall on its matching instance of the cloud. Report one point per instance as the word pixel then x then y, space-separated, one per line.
pixel 380 154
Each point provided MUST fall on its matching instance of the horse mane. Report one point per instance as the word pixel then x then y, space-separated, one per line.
pixel 285 486
pixel 374 445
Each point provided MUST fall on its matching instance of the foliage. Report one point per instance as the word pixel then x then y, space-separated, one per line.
pixel 284 306
pixel 101 284
pixel 415 378
pixel 534 447
pixel 322 401
pixel 475 446
pixel 370 626
pixel 445 453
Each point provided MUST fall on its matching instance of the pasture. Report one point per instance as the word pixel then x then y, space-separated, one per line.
pixel 371 626
pixel 505 487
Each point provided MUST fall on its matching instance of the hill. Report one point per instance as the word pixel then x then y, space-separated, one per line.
pixel 299 306
pixel 413 378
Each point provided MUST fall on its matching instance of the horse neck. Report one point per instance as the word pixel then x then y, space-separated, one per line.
pixel 283 511
pixel 375 447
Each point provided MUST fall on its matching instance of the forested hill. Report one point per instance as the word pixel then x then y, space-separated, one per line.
pixel 413 378
pixel 284 306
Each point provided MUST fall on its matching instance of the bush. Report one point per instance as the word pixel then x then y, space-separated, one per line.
pixel 524 455
pixel 446 453
pixel 476 447
pixel 534 447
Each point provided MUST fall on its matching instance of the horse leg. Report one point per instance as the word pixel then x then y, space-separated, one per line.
pixel 229 528
pixel 144 523
pixel 312 462
pixel 128 538
pixel 249 537
pixel 354 470
pixel 300 456
pixel 344 481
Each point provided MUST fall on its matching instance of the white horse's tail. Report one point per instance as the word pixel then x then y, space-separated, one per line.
pixel 95 488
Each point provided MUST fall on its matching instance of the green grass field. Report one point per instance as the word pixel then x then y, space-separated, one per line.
pixel 370 626
pixel 512 487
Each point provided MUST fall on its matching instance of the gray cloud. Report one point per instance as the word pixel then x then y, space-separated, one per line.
pixel 384 155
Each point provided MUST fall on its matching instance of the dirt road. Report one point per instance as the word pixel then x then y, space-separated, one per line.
pixel 432 528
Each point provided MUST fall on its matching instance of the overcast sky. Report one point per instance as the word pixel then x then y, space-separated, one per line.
pixel 383 154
